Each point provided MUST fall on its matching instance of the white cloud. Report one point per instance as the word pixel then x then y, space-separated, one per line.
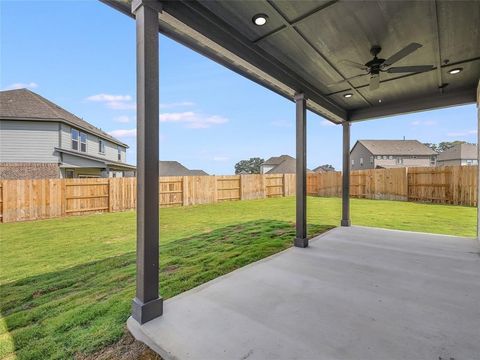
pixel 122 119
pixel 193 120
pixel 282 123
pixel 423 123
pixel 220 158
pixel 462 133
pixel 115 102
pixel 176 104
pixel 30 85
pixel 123 133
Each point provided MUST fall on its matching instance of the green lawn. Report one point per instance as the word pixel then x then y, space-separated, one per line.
pixel 66 284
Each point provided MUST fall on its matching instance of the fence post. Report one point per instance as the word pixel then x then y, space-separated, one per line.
pixel 109 198
pixel 185 191
pixel 240 185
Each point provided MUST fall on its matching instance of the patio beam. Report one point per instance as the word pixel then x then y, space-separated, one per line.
pixel 346 175
pixel 147 303
pixel 301 239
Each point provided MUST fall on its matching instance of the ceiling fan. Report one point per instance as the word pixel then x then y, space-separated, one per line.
pixel 375 66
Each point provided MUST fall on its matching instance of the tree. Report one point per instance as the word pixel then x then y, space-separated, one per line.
pixel 432 146
pixel 445 145
pixel 250 166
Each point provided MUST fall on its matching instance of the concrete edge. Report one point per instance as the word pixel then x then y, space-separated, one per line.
pixel 136 330
pixel 413 232
pixel 243 268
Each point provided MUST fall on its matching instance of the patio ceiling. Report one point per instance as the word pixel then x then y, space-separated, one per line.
pixel 301 46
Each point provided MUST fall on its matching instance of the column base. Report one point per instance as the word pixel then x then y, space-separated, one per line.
pixel 301 243
pixel 346 222
pixel 143 312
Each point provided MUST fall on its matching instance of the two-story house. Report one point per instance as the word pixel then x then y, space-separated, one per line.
pixel 373 154
pixel 461 154
pixel 39 139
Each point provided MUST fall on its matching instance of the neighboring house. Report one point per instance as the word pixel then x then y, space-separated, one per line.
pixel 174 168
pixel 39 139
pixel 372 154
pixel 323 169
pixel 283 164
pixel 461 154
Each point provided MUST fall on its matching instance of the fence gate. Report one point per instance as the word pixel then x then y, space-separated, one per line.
pixel 90 196
pixel 274 186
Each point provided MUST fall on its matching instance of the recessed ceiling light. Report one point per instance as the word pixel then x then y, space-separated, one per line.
pixel 348 95
pixel 455 71
pixel 260 19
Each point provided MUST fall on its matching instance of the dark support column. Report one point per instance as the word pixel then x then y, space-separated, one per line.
pixel 147 304
pixel 346 175
pixel 478 161
pixel 301 177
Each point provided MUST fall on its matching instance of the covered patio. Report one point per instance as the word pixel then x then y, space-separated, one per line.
pixel 354 293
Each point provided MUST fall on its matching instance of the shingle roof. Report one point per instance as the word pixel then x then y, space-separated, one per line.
pixel 174 168
pixel 276 160
pixel 396 147
pixel 459 152
pixel 287 166
pixel 23 104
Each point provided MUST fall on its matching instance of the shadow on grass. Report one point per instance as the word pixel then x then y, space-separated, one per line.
pixel 81 309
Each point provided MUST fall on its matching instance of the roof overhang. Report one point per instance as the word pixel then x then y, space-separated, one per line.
pixel 114 165
pixel 301 46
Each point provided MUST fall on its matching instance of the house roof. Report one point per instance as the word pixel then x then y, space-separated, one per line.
pixel 174 168
pixel 287 166
pixel 321 168
pixel 396 147
pixel 459 152
pixel 23 104
pixel 276 160
pixel 108 163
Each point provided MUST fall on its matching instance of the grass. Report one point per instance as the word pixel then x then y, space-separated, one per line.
pixel 66 284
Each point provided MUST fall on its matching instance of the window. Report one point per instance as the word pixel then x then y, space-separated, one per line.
pixel 353 162
pixel 379 157
pixel 361 161
pixel 119 156
pixel 399 160
pixel 469 162
pixel 75 135
pixel 69 174
pixel 384 157
pixel 433 161
pixel 83 142
pixel 79 140
pixel 101 146
pixel 390 157
pixel 371 159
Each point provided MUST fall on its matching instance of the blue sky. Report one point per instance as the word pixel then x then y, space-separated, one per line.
pixel 81 55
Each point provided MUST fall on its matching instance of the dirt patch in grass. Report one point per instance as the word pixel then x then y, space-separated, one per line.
pixel 126 349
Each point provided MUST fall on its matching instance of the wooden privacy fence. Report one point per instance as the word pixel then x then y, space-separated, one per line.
pixel 41 199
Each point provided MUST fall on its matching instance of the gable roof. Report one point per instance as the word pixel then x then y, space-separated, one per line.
pixel 459 152
pixel 174 168
pixel 23 104
pixel 395 147
pixel 287 166
pixel 276 160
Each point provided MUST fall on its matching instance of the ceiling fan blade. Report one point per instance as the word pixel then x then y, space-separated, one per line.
pixel 407 50
pixel 354 64
pixel 345 80
pixel 409 69
pixel 374 82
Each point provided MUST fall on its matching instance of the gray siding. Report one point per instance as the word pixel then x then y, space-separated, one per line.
pixel 360 152
pixel 92 145
pixel 28 141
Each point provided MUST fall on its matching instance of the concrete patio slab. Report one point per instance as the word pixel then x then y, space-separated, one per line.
pixel 355 293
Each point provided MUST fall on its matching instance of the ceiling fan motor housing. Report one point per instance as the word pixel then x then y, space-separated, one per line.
pixel 375 64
